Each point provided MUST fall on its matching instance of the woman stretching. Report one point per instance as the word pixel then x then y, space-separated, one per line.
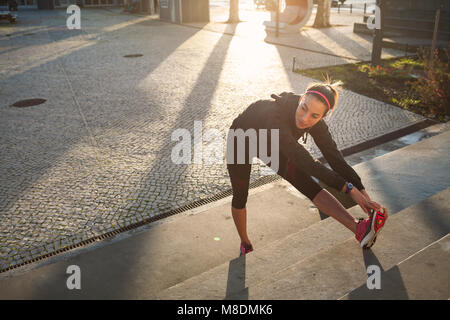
pixel 295 116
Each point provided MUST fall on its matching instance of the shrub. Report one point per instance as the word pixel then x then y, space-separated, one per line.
pixel 434 87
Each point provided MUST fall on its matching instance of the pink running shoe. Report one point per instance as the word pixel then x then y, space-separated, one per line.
pixel 245 249
pixel 368 229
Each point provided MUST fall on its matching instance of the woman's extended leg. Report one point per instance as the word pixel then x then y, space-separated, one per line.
pixel 365 231
pixel 240 180
pixel 329 205
pixel 324 200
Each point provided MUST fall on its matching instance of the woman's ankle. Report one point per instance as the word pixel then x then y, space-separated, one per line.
pixel 247 244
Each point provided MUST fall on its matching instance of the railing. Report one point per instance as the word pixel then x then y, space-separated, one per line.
pixel 99 2
pixel 355 7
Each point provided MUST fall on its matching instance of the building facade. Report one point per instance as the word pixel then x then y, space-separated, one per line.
pixel 52 4
pixel 143 6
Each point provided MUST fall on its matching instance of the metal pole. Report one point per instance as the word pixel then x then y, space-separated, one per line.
pixel 351 7
pixel 339 8
pixel 378 38
pixel 277 27
pixel 435 32
pixel 365 7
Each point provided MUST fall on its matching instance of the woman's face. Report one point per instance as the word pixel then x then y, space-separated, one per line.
pixel 309 111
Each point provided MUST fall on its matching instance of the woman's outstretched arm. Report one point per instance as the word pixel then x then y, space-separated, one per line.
pixel 296 153
pixel 323 139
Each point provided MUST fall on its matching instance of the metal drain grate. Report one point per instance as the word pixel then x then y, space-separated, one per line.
pixel 195 204
pixel 28 103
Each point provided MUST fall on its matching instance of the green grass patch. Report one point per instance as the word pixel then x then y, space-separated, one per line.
pixel 394 81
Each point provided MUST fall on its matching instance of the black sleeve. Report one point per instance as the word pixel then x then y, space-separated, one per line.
pixel 296 153
pixel 323 139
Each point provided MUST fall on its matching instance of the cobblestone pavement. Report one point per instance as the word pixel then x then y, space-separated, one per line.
pixel 96 155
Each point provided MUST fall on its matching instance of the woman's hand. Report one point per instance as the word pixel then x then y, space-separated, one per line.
pixel 364 202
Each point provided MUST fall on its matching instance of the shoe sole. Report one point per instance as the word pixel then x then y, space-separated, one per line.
pixel 369 239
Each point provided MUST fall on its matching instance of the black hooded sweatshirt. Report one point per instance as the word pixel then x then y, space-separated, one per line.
pixel 280 114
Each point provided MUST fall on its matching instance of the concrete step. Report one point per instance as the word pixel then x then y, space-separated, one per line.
pixel 329 273
pixel 333 273
pixel 403 177
pixel 397 180
pixel 406 176
pixel 142 262
pixel 228 279
pixel 423 276
pixel 305 243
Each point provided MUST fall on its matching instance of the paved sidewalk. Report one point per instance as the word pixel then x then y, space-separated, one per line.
pixel 339 42
pixel 96 156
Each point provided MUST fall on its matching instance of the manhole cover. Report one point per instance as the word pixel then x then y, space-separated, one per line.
pixel 28 103
pixel 133 55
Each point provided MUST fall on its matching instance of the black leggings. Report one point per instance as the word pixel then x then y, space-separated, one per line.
pixel 240 178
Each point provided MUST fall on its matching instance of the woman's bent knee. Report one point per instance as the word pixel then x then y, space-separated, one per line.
pixel 239 201
pixel 238 210
pixel 318 196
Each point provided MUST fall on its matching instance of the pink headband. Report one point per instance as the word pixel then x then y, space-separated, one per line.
pixel 312 91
